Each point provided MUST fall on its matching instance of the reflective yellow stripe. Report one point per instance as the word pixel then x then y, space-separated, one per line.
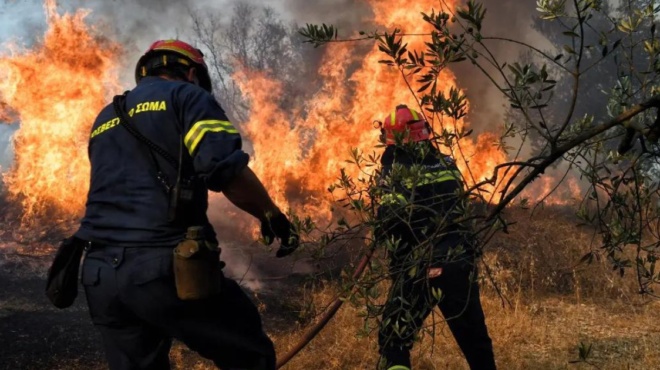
pixel 393 198
pixel 398 367
pixel 441 176
pixel 393 118
pixel 414 114
pixel 200 128
pixel 178 50
pixel 434 178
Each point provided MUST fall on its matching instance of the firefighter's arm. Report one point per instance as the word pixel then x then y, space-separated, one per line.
pixel 212 141
pixel 247 192
pixel 215 146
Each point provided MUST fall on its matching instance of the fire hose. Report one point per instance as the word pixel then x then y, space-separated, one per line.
pixel 328 315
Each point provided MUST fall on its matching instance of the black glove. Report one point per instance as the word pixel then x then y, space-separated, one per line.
pixel 280 227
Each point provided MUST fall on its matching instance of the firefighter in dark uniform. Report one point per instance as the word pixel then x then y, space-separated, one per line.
pixel 130 236
pixel 431 256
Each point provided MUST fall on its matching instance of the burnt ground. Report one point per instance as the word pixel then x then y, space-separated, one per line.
pixel 36 335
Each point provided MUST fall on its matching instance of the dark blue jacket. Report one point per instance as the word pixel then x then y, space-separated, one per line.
pixel 422 199
pixel 127 204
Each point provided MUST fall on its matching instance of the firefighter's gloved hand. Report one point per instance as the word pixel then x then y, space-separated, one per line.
pixel 279 226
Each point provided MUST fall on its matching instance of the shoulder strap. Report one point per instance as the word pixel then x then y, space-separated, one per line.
pixel 118 103
pixel 180 192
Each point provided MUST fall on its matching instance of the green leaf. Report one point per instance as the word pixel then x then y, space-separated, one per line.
pixel 584 351
pixel 515 69
pixel 587 258
pixel 424 87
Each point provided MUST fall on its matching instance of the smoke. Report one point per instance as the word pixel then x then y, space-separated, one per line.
pixel 505 18
pixel 6 147
pixel 21 21
pixel 135 25
pixel 15 30
pixel 349 15
pixel 508 19
pixel 514 20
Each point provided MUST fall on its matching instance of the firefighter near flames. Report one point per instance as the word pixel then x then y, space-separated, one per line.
pixel 431 252
pixel 152 271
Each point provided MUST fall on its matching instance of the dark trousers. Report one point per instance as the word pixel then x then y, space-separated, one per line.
pixel 132 301
pixel 412 299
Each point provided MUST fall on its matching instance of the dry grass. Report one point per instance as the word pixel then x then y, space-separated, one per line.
pixel 540 256
pixel 554 304
pixel 541 335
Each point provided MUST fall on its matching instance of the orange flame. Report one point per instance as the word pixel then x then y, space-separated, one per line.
pixel 545 190
pixel 55 91
pixel 303 155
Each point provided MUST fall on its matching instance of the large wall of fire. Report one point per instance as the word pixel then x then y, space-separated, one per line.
pixel 56 87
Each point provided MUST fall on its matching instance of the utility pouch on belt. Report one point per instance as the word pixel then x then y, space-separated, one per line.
pixel 197 267
pixel 62 282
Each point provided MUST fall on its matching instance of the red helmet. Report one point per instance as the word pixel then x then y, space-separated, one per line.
pixel 406 123
pixel 164 52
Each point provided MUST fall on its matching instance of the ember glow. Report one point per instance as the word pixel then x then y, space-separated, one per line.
pixel 55 90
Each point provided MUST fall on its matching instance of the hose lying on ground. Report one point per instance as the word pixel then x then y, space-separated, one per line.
pixel 330 312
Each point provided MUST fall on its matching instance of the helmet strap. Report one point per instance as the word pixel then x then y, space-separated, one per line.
pixel 192 77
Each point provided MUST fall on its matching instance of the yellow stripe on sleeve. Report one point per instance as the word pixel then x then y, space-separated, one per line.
pixel 200 128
